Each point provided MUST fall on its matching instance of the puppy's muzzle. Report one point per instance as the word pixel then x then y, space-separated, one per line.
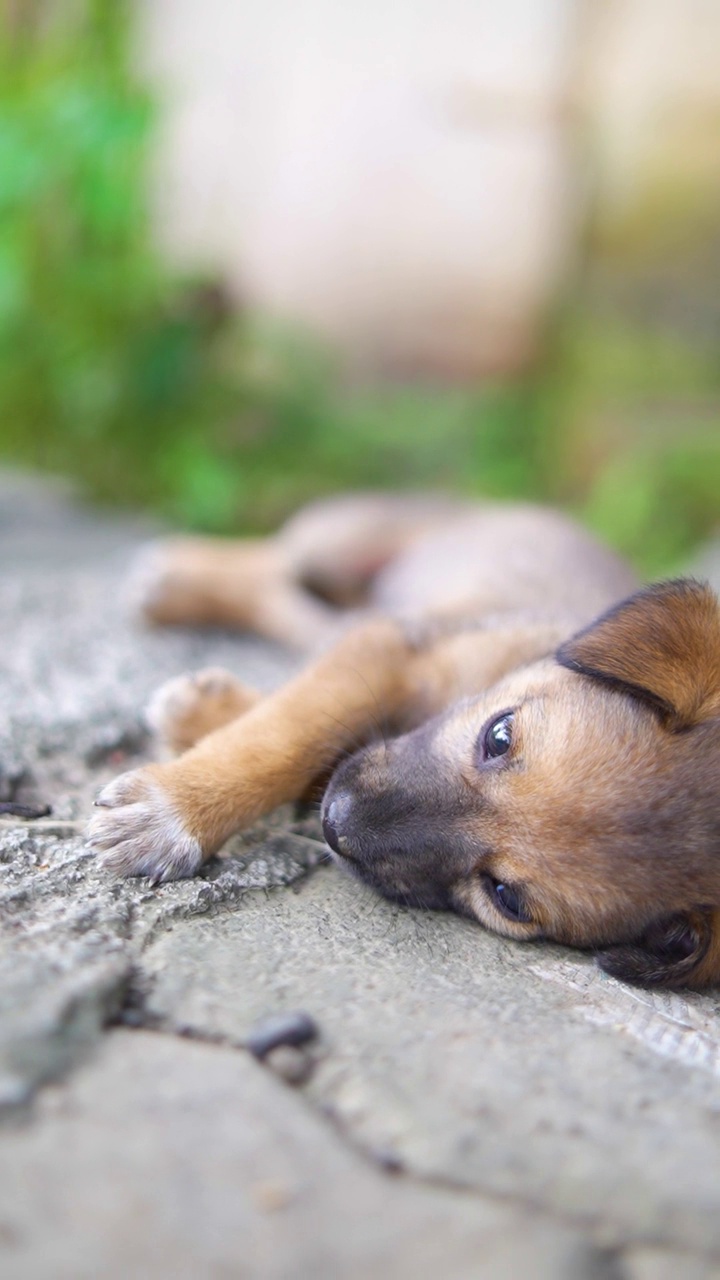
pixel 389 817
pixel 335 819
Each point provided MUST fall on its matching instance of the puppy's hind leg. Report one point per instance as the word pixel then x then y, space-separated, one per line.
pixel 189 707
pixel 245 584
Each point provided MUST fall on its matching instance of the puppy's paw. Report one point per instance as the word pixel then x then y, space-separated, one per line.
pixel 185 709
pixel 139 832
pixel 165 584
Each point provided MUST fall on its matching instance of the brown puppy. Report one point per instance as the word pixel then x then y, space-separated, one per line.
pixel 554 765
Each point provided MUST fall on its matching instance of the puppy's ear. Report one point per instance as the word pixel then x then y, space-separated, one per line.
pixel 662 644
pixel 678 951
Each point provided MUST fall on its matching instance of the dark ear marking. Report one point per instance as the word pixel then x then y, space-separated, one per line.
pixel 662 645
pixel 668 954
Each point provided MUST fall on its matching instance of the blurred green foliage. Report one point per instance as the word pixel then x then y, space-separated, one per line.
pixel 149 390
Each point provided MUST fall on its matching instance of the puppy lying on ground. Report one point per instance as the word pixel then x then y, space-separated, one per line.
pixel 501 736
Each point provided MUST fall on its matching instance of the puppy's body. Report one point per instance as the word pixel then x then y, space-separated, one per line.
pixel 405 556
pixel 572 798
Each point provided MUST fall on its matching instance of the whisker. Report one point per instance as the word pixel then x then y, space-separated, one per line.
pixel 359 743
pixel 377 722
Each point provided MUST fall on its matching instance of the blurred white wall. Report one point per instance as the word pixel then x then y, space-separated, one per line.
pixel 403 177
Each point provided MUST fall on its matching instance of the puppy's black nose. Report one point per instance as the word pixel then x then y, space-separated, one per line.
pixel 334 818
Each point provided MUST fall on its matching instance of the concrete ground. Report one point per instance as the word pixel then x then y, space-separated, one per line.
pixel 471 1107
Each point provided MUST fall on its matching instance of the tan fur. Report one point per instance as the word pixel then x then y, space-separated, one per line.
pixel 601 822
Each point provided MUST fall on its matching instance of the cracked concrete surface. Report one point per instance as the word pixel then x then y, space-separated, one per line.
pixel 474 1108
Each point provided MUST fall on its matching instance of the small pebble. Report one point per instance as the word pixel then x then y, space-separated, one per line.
pixel 388 1160
pixel 293 1065
pixel 280 1029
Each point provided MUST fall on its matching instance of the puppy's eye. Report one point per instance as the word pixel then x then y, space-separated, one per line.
pixel 508 900
pixel 496 738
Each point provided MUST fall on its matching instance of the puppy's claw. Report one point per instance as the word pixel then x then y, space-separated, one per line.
pixel 140 833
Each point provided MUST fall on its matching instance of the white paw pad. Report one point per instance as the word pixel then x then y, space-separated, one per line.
pixel 150 577
pixel 183 695
pixel 137 831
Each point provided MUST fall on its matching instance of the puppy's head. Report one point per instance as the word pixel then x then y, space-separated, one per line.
pixel 576 800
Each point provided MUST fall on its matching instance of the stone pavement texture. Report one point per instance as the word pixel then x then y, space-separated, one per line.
pixel 472 1107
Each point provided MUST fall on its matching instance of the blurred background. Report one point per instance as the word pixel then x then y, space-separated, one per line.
pixel 253 253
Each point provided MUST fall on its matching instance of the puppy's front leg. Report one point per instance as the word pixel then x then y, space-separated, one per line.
pixel 164 820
